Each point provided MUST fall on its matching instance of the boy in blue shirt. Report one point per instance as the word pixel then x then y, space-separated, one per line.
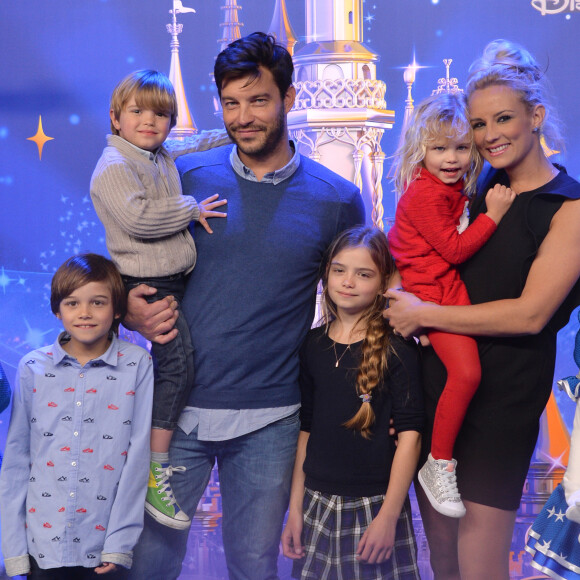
pixel 74 476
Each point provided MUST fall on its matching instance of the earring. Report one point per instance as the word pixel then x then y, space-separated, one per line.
pixel 535 130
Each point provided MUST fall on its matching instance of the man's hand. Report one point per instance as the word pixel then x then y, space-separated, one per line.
pixel 154 321
pixel 205 210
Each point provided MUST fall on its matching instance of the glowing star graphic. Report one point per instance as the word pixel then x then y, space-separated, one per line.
pixel 5 280
pixel 40 138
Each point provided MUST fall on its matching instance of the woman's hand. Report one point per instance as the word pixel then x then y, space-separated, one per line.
pixel 402 312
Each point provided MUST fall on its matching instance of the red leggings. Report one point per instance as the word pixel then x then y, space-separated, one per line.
pixel 461 359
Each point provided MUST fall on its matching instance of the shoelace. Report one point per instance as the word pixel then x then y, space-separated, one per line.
pixel 448 485
pixel 162 482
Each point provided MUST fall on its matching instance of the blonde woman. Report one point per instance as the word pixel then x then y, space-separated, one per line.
pixel 523 284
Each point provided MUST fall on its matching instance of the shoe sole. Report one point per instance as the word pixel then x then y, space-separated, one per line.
pixel 435 504
pixel 166 520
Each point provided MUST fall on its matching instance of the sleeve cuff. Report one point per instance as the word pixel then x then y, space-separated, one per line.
pixel 122 559
pixel 17 566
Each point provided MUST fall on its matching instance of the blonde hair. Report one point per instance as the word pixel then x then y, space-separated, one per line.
pixel 151 89
pixel 437 116
pixel 507 63
pixel 376 345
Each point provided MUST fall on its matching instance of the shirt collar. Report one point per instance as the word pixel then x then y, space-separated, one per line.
pixel 150 155
pixel 109 357
pixel 274 177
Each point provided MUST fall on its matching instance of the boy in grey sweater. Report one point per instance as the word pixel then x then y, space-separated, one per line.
pixel 137 194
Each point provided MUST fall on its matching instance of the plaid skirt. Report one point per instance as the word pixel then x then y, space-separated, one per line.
pixel 333 527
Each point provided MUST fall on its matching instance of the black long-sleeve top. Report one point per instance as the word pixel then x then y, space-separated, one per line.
pixel 339 460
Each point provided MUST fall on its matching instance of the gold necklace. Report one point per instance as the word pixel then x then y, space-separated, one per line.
pixel 338 359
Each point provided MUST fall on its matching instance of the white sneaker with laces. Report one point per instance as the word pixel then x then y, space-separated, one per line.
pixel 439 482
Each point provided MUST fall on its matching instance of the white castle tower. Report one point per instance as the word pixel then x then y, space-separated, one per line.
pixel 231 30
pixel 340 113
pixel 281 27
pixel 231 24
pixel 185 125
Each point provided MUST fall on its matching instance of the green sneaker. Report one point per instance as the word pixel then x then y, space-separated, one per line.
pixel 160 503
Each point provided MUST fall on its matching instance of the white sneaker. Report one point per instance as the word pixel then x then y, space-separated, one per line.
pixel 439 482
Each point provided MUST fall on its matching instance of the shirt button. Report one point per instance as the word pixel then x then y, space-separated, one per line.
pixel 79 403
pixel 74 463
pixel 76 433
pixel 72 493
pixel 81 375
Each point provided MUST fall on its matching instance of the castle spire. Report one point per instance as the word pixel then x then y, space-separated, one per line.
pixel 231 25
pixel 329 20
pixel 185 125
pixel 281 28
pixel 340 112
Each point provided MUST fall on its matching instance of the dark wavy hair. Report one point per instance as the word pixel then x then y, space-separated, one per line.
pixel 244 57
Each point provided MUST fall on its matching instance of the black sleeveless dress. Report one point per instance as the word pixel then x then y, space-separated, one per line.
pixel 498 436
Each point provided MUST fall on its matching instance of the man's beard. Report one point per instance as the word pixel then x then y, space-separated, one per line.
pixel 267 141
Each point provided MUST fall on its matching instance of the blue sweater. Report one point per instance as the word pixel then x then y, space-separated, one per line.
pixel 250 299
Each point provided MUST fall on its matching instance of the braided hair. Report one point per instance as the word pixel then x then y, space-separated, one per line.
pixel 376 345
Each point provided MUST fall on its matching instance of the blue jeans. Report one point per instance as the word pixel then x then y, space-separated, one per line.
pixel 255 472
pixel 172 362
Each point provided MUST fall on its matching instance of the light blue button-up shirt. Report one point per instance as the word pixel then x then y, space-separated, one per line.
pixel 74 475
pixel 225 424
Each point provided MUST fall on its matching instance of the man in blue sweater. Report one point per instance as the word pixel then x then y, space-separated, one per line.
pixel 249 303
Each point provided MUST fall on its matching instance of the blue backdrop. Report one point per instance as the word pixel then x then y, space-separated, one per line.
pixel 60 60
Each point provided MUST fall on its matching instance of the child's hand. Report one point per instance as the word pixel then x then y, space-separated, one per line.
pixel 205 212
pixel 291 537
pixel 105 568
pixel 498 200
pixel 376 545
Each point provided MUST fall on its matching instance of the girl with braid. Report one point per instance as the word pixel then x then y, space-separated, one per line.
pixel 349 511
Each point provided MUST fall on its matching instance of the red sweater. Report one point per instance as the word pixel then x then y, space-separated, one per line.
pixel 425 243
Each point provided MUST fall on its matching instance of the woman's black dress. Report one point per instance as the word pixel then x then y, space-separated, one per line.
pixel 498 436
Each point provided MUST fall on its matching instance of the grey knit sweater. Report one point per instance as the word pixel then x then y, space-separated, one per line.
pixel 139 201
